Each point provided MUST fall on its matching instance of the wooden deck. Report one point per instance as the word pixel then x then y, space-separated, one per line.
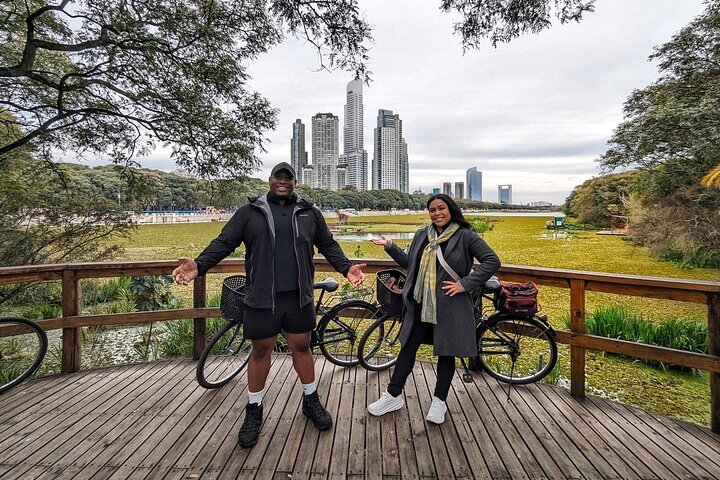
pixel 154 421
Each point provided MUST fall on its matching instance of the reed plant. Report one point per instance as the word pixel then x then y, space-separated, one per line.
pixel 617 322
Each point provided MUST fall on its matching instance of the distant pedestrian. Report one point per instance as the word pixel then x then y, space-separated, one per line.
pixel 279 230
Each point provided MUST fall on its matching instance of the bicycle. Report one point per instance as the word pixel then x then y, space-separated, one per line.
pixel 514 349
pixel 23 345
pixel 379 345
pixel 338 327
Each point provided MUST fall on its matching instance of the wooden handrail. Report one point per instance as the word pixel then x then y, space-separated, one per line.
pixel 578 282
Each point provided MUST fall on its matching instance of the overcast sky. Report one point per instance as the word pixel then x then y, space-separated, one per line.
pixel 535 113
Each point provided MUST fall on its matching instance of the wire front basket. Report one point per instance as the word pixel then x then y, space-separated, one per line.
pixel 389 285
pixel 232 299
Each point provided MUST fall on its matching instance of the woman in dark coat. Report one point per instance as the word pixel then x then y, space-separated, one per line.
pixel 438 306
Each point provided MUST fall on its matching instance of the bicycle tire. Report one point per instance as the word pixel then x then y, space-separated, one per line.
pixel 380 344
pixel 224 356
pixel 341 327
pixel 23 345
pixel 516 350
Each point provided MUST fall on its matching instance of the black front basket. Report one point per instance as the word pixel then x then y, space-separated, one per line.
pixel 391 302
pixel 232 299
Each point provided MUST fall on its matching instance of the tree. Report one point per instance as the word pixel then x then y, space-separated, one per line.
pixel 115 77
pixel 598 199
pixel 671 134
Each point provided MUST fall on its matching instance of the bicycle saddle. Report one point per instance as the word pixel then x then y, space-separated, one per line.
pixel 328 284
pixel 492 285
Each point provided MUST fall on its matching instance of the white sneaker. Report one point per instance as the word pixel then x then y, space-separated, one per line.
pixel 436 414
pixel 386 403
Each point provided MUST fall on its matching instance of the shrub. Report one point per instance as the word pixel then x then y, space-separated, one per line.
pixel 617 322
pixel 153 293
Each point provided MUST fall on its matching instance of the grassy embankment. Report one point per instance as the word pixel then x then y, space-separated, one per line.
pixel 525 241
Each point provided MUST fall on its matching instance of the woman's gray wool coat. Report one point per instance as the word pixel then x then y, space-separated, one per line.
pixel 454 334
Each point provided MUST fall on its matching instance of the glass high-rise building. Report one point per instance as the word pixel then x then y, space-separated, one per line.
pixel 354 160
pixel 390 159
pixel 473 181
pixel 298 154
pixel 325 150
pixel 447 188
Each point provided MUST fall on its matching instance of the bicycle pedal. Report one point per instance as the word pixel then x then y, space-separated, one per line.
pixel 467 378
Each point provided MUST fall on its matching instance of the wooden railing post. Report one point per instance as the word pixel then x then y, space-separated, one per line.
pixel 577 325
pixel 714 349
pixel 71 337
pixel 199 325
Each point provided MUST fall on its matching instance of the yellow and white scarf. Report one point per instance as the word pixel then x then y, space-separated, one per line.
pixel 425 283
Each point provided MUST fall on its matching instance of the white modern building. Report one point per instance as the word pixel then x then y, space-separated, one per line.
pixel 505 194
pixel 325 150
pixel 353 162
pixel 298 154
pixel 390 158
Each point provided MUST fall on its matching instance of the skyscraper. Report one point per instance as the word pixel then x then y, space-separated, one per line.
pixel 473 180
pixel 354 160
pixel 447 188
pixel 390 159
pixel 325 150
pixel 459 190
pixel 298 154
pixel 505 194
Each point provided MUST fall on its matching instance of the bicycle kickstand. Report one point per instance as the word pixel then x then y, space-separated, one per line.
pixel 467 378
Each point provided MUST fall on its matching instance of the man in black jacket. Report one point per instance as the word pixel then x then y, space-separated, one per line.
pixel 279 230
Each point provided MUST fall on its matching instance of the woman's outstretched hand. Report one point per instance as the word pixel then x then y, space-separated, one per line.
pixel 384 242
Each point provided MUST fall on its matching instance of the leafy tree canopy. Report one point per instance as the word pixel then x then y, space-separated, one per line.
pixel 598 199
pixel 116 77
pixel 671 129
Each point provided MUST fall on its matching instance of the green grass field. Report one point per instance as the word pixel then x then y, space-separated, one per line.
pixel 524 241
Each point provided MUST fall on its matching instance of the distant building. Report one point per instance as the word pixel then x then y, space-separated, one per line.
pixel 435 190
pixel 459 190
pixel 541 204
pixel 325 150
pixel 473 180
pixel 390 158
pixel 308 175
pixel 298 154
pixel 447 188
pixel 505 194
pixel 354 158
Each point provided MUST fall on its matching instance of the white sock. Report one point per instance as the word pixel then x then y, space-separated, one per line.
pixel 256 397
pixel 309 388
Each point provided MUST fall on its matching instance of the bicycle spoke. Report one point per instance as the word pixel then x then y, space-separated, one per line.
pixel 340 329
pixel 516 350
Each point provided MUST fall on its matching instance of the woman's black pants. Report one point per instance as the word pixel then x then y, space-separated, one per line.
pixel 421 333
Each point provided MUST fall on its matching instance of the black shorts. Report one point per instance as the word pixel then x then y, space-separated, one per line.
pixel 260 323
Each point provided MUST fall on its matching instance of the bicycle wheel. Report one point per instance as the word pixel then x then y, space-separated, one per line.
pixel 23 344
pixel 516 350
pixel 224 357
pixel 380 344
pixel 340 329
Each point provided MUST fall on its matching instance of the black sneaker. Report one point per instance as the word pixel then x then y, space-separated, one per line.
pixel 250 430
pixel 312 408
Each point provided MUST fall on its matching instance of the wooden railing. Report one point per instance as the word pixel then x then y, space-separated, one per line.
pixel 578 282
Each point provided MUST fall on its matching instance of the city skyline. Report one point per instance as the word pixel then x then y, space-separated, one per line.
pixel 536 112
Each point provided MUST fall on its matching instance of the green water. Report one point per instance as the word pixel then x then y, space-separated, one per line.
pixel 525 241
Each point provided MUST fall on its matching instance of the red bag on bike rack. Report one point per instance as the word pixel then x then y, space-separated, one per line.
pixel 519 298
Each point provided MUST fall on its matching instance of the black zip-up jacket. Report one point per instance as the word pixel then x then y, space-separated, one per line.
pixel 253 225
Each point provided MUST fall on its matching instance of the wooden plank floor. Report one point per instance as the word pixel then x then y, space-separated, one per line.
pixel 153 421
